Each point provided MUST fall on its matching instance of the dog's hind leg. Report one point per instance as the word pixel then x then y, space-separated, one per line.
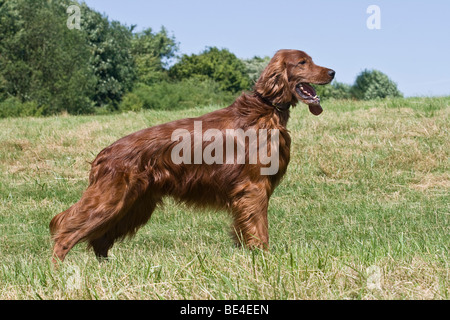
pixel 101 206
pixel 136 217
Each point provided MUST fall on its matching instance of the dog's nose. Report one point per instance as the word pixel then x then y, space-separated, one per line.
pixel 331 73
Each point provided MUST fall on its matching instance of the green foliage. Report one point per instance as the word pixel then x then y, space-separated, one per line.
pixel 152 52
pixel 131 102
pixel 41 59
pixel 369 85
pixel 187 93
pixel 221 66
pixel 111 58
pixel 13 107
pixel 334 90
pixel 373 84
pixel 255 66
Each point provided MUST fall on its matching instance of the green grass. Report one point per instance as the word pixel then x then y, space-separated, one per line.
pixel 363 212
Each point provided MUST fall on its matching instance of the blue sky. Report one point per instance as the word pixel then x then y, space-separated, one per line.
pixel 412 47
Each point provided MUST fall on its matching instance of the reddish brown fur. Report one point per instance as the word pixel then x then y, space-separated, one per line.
pixel 129 178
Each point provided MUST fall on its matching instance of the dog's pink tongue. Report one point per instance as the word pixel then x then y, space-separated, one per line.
pixel 315 109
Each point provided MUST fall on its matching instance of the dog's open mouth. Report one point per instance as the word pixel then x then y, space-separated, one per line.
pixel 309 96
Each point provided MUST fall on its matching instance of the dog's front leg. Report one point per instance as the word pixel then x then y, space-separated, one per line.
pixel 251 228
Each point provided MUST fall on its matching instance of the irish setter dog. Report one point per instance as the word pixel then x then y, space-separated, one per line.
pixel 129 179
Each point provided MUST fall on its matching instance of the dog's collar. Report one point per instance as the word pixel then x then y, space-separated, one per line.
pixel 279 108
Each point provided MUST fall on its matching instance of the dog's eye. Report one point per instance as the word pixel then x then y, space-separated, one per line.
pixel 302 62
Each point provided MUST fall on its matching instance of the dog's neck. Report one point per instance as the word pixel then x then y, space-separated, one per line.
pixel 282 110
pixel 278 107
pixel 250 108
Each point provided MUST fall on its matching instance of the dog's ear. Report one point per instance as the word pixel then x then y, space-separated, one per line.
pixel 273 83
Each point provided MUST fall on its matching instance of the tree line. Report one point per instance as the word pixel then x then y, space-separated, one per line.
pixel 104 66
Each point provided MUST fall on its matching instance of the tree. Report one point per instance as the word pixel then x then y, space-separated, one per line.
pixel 255 66
pixel 41 60
pixel 373 84
pixel 152 53
pixel 221 66
pixel 111 58
pixel 334 90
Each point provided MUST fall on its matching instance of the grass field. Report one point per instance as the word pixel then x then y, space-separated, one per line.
pixel 363 212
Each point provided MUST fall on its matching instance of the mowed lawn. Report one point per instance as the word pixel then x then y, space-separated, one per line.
pixel 362 213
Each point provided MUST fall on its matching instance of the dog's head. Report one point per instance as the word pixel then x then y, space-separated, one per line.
pixel 288 77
